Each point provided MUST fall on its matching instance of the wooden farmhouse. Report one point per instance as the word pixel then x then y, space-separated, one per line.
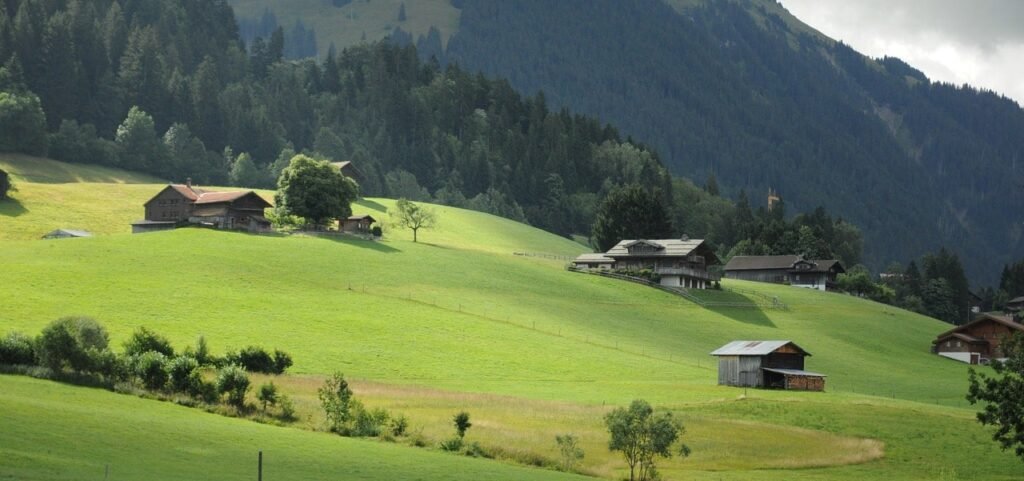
pixel 348 169
pixel 792 270
pixel 768 364
pixel 679 262
pixel 976 342
pixel 356 224
pixel 182 204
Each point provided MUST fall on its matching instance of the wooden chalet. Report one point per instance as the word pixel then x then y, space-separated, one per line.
pixel 679 262
pixel 769 364
pixel 793 270
pixel 356 224
pixel 348 169
pixel 976 342
pixel 183 204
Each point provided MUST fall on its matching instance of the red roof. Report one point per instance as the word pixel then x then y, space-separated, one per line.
pixel 189 192
pixel 215 197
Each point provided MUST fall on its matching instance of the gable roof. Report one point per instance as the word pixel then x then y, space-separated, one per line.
pixel 1016 300
pixel 753 348
pixel 362 217
pixel 593 258
pixel 752 263
pixel 70 232
pixel 983 318
pixel 747 263
pixel 666 247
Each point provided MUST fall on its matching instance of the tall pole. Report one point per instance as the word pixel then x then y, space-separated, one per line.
pixel 260 469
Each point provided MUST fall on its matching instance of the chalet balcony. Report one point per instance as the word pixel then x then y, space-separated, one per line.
pixel 688 272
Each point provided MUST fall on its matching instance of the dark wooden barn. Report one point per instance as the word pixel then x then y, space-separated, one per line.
pixel 769 364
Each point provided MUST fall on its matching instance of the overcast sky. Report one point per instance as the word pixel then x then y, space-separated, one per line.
pixel 979 42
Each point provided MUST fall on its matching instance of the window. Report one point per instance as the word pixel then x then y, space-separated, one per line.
pixel 957 343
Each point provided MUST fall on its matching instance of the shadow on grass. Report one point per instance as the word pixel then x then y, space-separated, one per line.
pixel 369 204
pixel 747 315
pixel 10 207
pixel 357 242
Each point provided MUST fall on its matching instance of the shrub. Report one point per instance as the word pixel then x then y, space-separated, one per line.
pixel 282 361
pixel 399 425
pixel 453 444
pixel 143 340
pixel 234 382
pixel 475 450
pixel 570 451
pixel 202 352
pixel 287 408
pixel 71 343
pixel 257 359
pixel 17 348
pixel 376 231
pixel 462 423
pixel 336 400
pixel 183 375
pixel 267 395
pixel 150 368
pixel 367 423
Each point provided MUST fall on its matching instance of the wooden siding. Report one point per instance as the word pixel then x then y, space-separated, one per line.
pixel 740 371
pixel 168 206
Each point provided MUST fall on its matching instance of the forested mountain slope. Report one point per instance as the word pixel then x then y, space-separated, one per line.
pixel 730 88
pixel 744 90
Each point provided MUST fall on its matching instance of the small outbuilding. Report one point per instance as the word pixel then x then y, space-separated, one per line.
pixel 356 224
pixel 769 364
pixel 66 234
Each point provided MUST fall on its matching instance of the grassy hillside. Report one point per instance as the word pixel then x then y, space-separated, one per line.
pixel 55 432
pixel 359 21
pixel 458 321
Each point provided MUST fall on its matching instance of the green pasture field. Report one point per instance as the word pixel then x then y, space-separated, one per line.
pixel 460 321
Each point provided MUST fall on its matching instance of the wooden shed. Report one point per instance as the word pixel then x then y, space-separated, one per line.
pixel 769 364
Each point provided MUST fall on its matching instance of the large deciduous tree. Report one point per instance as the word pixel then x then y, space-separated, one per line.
pixel 1002 396
pixel 315 190
pixel 409 215
pixel 631 212
pixel 641 436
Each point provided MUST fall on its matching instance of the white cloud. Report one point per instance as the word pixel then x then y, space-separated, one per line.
pixel 980 42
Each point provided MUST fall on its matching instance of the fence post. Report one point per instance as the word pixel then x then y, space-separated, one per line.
pixel 259 472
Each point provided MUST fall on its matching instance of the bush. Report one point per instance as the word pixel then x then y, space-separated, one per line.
pixel 234 382
pixel 399 425
pixel 282 361
pixel 367 423
pixel 453 444
pixel 143 340
pixel 150 368
pixel 376 231
pixel 257 359
pixel 336 400
pixel 72 343
pixel 461 421
pixel 287 408
pixel 267 395
pixel 17 348
pixel 182 373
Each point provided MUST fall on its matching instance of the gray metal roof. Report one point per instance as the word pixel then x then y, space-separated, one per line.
pixel 668 247
pixel 70 232
pixel 794 372
pixel 752 348
pixel 594 258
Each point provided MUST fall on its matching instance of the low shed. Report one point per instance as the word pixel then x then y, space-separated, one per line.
pixel 770 364
pixel 66 233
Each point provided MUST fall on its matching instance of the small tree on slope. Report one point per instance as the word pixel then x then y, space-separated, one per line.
pixel 1002 396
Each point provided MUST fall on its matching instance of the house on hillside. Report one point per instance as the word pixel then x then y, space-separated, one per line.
pixel 1015 305
pixel 678 262
pixel 356 224
pixel 66 234
pixel 976 342
pixel 769 364
pixel 348 169
pixel 793 270
pixel 184 204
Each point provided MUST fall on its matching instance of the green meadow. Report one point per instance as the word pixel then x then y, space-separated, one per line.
pixel 459 321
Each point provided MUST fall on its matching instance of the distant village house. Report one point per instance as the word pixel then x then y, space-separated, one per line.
pixel 184 204
pixel 348 169
pixel 793 270
pixel 978 341
pixel 678 262
pixel 769 364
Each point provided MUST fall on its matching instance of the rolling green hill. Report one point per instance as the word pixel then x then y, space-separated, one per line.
pixel 458 321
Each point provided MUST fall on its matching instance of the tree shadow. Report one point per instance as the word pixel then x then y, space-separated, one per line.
pixel 746 315
pixel 357 242
pixel 11 207
pixel 372 205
